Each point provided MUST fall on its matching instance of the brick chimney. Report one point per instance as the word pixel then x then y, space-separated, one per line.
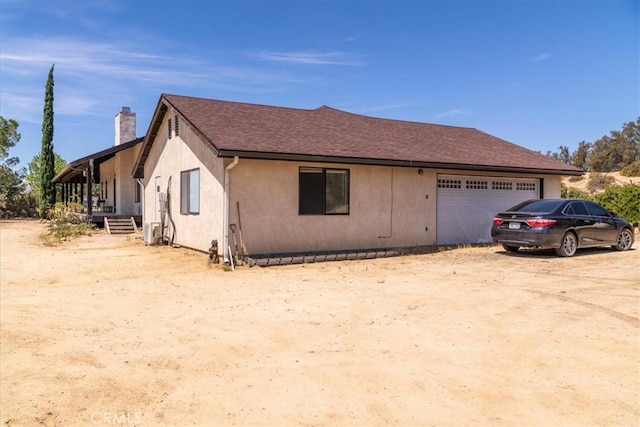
pixel 125 126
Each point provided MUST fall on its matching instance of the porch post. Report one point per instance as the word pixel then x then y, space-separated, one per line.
pixel 81 192
pixel 89 194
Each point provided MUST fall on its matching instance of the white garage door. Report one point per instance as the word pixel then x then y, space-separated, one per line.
pixel 467 205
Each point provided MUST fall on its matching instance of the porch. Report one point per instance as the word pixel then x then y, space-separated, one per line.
pixel 98 218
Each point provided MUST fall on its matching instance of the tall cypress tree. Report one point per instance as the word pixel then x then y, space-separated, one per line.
pixel 47 171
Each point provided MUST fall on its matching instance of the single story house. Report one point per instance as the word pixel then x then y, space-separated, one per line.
pixel 271 180
pixel 104 178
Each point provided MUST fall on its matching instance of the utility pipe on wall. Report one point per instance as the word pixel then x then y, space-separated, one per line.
pixel 139 181
pixel 225 210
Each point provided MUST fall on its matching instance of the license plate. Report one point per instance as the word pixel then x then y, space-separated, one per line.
pixel 514 226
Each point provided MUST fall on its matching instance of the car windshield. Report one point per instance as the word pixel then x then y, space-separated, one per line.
pixel 537 206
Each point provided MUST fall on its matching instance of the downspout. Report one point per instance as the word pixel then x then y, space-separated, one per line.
pixel 225 210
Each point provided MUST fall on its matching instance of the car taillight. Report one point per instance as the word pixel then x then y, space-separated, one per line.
pixel 541 222
pixel 497 221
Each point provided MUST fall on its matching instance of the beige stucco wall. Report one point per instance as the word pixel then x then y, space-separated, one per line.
pixel 119 168
pixel 107 173
pixel 167 158
pixel 389 206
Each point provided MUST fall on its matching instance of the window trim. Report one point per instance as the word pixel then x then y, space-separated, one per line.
pixel 186 198
pixel 324 172
pixel 137 193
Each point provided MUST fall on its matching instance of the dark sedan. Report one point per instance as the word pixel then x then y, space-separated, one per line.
pixel 561 224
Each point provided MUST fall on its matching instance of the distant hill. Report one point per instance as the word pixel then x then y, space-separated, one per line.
pixel 580 183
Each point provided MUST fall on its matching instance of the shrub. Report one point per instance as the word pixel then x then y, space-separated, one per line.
pixel 598 182
pixel 573 193
pixel 632 169
pixel 576 178
pixel 66 222
pixel 624 200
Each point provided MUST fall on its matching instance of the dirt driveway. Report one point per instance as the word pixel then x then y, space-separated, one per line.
pixel 105 331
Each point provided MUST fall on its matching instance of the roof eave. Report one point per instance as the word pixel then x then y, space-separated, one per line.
pixel 154 128
pixel 385 162
pixel 98 157
pixel 147 143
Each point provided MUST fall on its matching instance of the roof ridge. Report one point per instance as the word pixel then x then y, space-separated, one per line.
pixel 323 107
pixel 326 107
pixel 251 104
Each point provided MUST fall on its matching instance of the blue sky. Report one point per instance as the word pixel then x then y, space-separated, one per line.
pixel 537 73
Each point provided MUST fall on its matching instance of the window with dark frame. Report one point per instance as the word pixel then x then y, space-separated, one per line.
pixel 137 196
pixel 190 192
pixel 323 191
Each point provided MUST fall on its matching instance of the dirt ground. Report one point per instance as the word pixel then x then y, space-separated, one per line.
pixel 581 184
pixel 103 330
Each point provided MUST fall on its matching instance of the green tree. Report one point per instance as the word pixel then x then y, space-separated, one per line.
pixel 564 154
pixel 47 172
pixel 14 200
pixel 34 171
pixel 616 150
pixel 580 156
pixel 9 136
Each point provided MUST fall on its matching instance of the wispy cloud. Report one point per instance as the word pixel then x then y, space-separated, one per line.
pixel 95 74
pixel 310 58
pixel 385 107
pixel 349 39
pixel 540 57
pixel 453 112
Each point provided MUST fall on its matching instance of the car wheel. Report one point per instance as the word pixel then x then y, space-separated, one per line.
pixel 568 245
pixel 624 240
pixel 510 248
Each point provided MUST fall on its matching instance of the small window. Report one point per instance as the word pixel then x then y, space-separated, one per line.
pixel 323 191
pixel 501 185
pixel 137 194
pixel 177 125
pixel 169 129
pixel 449 183
pixel 190 192
pixel 477 185
pixel 525 186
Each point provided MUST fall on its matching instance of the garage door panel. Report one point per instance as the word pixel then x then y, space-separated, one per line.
pixel 467 204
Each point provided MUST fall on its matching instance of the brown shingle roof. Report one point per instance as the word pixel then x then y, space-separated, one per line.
pixel 73 172
pixel 327 134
